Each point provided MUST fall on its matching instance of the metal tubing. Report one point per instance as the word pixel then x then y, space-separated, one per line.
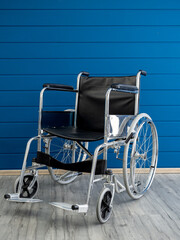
pixel 40 117
pixel 93 170
pixel 77 95
pixel 84 149
pixel 106 125
pixel 24 162
pixel 96 153
pixel 136 108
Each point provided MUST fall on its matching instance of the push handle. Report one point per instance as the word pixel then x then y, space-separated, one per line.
pixel 144 73
pixel 85 73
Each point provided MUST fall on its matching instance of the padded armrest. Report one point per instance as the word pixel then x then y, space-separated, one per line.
pixel 58 86
pixel 125 88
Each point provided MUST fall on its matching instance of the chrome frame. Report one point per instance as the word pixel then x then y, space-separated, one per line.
pixel 77 96
pixel 102 148
pixel 136 109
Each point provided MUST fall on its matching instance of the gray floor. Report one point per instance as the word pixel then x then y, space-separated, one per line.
pixel 155 216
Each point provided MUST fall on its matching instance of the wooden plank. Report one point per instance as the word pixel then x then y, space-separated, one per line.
pixel 11 161
pixel 94 66
pixel 16 145
pixel 105 4
pixel 24 114
pixel 112 34
pixel 166 129
pixel 89 50
pixel 90 17
pixel 115 171
pixel 20 130
pixel 168 159
pixel 169 144
pixel 31 98
pixel 159 113
pixel 34 83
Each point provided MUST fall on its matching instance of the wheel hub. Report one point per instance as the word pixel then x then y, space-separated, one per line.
pixel 143 156
pixel 67 146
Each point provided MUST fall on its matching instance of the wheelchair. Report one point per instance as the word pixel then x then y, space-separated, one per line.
pixel 107 112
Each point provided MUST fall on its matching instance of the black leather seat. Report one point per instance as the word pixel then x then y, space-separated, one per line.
pixel 75 134
pixel 91 108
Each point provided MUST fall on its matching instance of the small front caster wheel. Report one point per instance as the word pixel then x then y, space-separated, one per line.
pixel 29 187
pixel 104 205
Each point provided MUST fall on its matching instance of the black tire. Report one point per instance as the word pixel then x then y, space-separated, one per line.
pixel 104 206
pixel 27 192
pixel 140 157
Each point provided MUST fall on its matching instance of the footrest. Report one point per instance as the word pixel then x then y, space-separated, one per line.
pixel 14 197
pixel 71 207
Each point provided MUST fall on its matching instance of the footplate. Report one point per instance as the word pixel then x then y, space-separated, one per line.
pixel 14 197
pixel 71 207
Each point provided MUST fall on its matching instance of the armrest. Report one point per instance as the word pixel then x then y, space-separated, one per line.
pixel 58 86
pixel 124 88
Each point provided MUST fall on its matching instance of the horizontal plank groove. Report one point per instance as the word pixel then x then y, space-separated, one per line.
pixel 87 5
pixel 90 25
pixel 90 17
pixel 89 9
pixel 85 58
pixel 95 58
pixel 91 58
pixel 98 42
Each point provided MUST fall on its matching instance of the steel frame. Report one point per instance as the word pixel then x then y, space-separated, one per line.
pixel 102 148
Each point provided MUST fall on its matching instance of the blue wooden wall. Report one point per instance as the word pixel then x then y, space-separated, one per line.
pixel 52 41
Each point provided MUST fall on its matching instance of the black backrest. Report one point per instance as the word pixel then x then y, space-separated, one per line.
pixel 91 102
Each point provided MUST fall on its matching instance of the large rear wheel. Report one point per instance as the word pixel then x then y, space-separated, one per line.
pixel 140 156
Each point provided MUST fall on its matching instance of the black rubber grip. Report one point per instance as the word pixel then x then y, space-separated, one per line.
pixel 144 73
pixel 85 73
